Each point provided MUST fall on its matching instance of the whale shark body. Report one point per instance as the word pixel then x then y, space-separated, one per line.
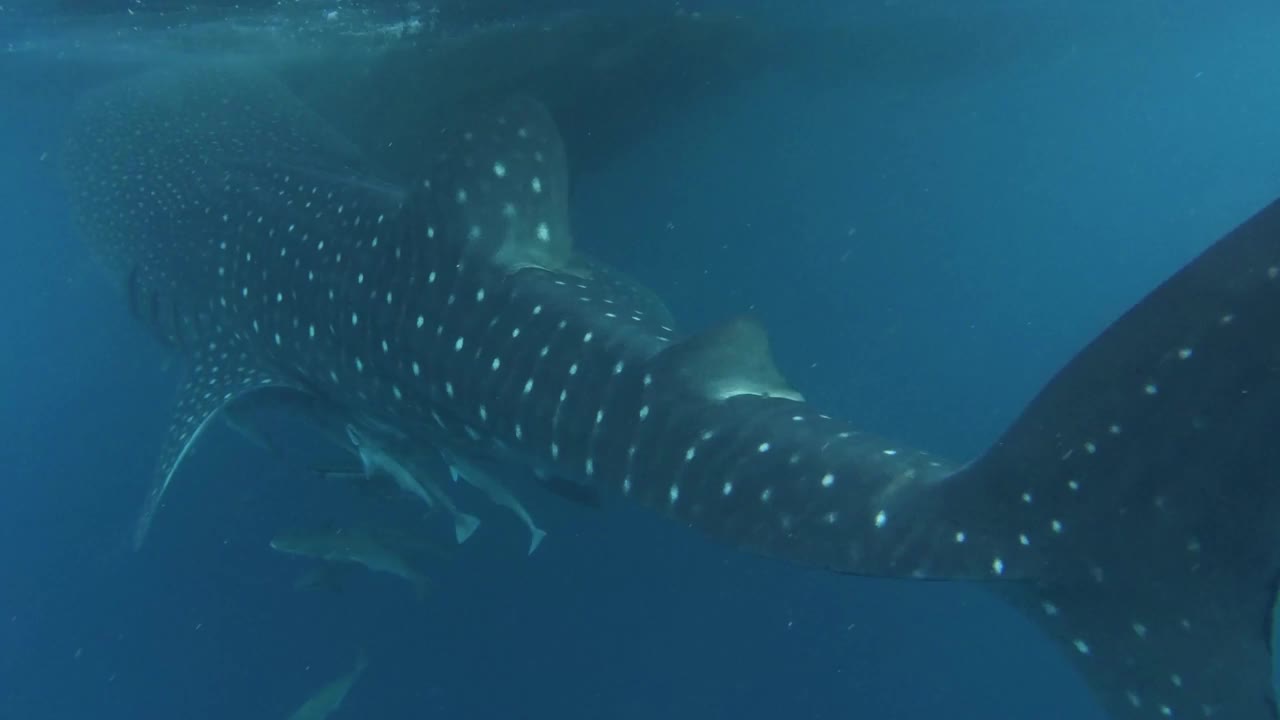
pixel 446 318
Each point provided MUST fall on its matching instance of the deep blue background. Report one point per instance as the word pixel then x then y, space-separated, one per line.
pixel 927 243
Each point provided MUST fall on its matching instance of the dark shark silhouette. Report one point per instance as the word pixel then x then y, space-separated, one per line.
pixel 1131 510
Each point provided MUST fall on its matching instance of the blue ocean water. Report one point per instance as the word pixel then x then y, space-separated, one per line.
pixel 928 236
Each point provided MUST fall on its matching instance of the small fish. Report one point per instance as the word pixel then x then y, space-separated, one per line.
pixel 327 577
pixel 357 546
pixel 574 492
pixel 376 458
pixel 245 428
pixel 486 481
pixel 329 698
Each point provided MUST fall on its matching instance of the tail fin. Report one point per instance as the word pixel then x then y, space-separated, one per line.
pixel 537 535
pixel 464 525
pixel 1146 474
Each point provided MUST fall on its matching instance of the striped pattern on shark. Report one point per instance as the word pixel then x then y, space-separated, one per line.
pixel 1129 511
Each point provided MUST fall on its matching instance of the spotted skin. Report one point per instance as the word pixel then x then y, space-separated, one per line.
pixel 219 374
pixel 1128 511
pixel 1156 508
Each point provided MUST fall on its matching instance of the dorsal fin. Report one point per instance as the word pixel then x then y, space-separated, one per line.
pixel 501 186
pixel 729 360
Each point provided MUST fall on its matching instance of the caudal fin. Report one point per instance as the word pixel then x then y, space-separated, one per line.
pixel 1133 510
pixel 1144 480
pixel 536 537
pixel 464 526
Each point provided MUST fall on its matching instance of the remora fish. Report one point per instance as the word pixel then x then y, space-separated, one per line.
pixel 352 546
pixel 484 480
pixel 415 481
pixel 329 698
pixel 1130 510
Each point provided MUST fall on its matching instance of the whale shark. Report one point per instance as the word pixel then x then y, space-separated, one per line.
pixel 1129 510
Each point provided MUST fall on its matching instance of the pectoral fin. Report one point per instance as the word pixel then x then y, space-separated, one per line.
pixel 218 377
